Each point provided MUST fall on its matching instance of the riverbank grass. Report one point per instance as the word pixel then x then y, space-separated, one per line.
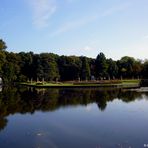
pixel 104 83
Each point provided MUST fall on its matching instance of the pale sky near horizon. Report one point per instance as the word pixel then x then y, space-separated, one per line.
pixel 76 27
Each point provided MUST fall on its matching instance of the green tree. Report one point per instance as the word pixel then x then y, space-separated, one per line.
pixel 85 69
pixel 137 69
pixel 101 66
pixel 112 69
pixel 126 65
pixel 2 45
pixel 26 65
pixel 37 66
pixel 69 67
pixel 50 67
pixel 145 70
pixel 11 67
pixel 2 61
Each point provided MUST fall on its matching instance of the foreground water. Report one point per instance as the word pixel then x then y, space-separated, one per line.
pixel 73 118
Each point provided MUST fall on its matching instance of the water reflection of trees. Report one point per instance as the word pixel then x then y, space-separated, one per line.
pixel 3 123
pixel 24 100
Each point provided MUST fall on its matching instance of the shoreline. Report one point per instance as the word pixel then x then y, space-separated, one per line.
pixel 83 85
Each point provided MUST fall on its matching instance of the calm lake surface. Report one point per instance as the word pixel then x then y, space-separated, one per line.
pixel 73 118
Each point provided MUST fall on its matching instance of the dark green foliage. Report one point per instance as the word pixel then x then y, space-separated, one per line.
pixel 26 65
pixel 49 67
pixel 85 69
pixel 101 66
pixel 2 45
pixel 11 68
pixel 2 61
pixel 112 69
pixel 145 70
pixel 18 67
pixel 69 67
pixel 137 69
pixel 126 65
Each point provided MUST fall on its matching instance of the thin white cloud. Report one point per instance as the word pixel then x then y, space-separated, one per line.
pixel 42 11
pixel 146 37
pixel 84 21
pixel 115 9
pixel 73 24
pixel 88 48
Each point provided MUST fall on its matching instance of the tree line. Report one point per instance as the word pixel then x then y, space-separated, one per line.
pixel 23 66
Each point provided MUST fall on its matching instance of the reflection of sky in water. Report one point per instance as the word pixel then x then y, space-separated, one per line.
pixel 88 108
pixel 121 124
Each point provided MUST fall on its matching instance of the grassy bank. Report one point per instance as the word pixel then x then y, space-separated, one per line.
pixel 105 83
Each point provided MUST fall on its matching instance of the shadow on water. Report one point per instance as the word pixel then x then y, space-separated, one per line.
pixel 28 100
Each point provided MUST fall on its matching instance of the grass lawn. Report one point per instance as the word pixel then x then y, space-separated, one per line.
pixel 120 83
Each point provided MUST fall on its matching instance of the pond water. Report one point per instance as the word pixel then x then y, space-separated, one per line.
pixel 73 118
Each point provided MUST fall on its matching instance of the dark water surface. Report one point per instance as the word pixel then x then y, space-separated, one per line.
pixel 73 118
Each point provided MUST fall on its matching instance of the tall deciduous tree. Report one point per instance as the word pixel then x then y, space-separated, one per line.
pixel 26 65
pixel 11 68
pixel 137 69
pixel 2 61
pixel 69 67
pixel 2 45
pixel 145 70
pixel 101 66
pixel 48 64
pixel 85 69
pixel 126 66
pixel 112 69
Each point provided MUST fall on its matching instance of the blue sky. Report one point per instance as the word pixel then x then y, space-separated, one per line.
pixel 76 27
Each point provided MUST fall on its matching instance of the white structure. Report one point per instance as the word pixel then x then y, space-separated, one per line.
pixel 1 81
